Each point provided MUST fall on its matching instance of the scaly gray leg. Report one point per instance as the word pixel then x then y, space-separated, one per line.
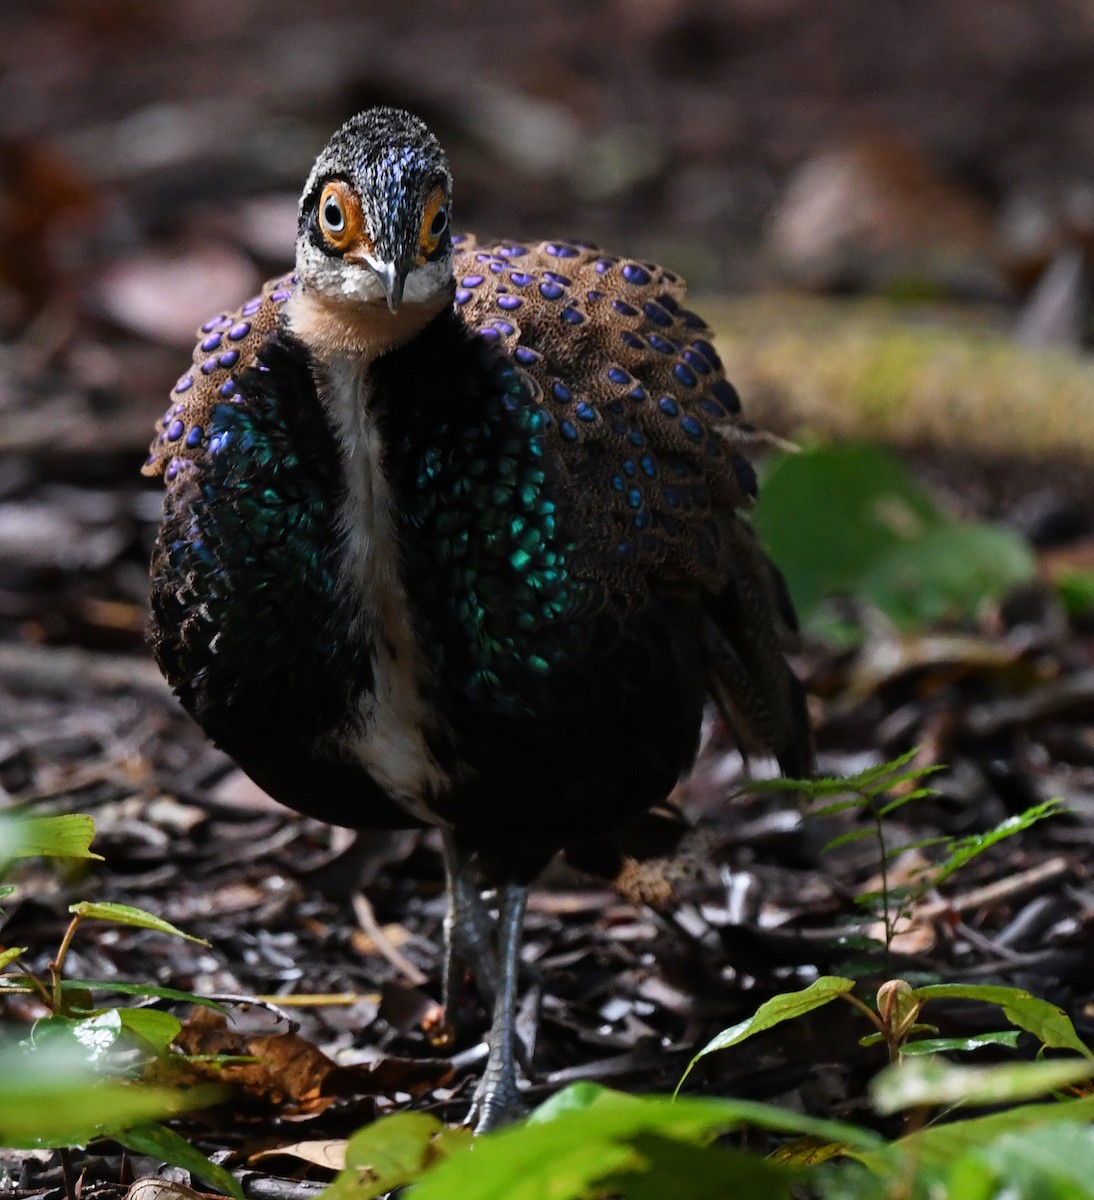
pixel 468 928
pixel 497 1100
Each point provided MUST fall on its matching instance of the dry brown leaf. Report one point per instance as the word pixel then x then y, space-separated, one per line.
pixel 329 1153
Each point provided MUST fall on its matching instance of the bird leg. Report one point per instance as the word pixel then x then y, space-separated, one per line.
pixel 497 1099
pixel 468 928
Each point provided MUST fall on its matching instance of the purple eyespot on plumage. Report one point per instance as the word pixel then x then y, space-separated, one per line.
pixel 685 374
pixel 745 474
pixel 691 427
pixel 184 384
pixel 521 278
pixel 193 438
pixel 555 277
pixel 214 323
pixel 504 327
pixel 618 375
pixel 281 295
pixel 524 354
pixel 657 314
pixel 227 389
pixel 509 302
pixel 174 430
pixel 208 366
pixel 624 309
pixel 638 393
pixel 252 306
pixel 632 339
pixel 489 332
pixel 561 393
pixel 471 281
pixel 584 411
pixel 568 431
pixel 633 273
pixel 594 295
pixel 239 331
pixel 228 359
pixel 512 251
pixel 172 469
pixel 212 342
pixel 550 291
pixel 708 352
pixel 724 391
pixel 697 362
pixel 691 319
pixel 571 316
pixel 560 250
pixel 668 406
pixel 462 295
pixel 498 268
pixel 661 344
pixel 669 302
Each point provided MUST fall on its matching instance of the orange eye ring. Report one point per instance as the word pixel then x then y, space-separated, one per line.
pixel 434 224
pixel 339 215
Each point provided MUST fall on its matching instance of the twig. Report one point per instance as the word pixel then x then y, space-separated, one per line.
pixel 366 918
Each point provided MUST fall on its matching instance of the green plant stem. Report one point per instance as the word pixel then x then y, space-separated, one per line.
pixel 57 964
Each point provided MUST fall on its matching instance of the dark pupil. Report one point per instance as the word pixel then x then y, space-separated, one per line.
pixel 440 221
pixel 332 214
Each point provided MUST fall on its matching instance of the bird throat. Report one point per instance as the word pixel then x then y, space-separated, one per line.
pixel 340 327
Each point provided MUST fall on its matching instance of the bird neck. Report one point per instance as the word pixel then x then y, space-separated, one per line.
pixel 334 328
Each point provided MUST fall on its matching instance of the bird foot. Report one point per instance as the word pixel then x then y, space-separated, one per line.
pixel 496 1103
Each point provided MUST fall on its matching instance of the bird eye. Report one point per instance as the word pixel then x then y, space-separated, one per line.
pixel 339 215
pixel 334 219
pixel 434 224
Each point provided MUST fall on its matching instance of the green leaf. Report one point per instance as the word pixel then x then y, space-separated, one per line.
pixel 961 1045
pixel 139 989
pixel 164 1143
pixel 148 1025
pixel 1076 591
pixel 963 850
pixel 784 1007
pixel 125 914
pixel 9 955
pixel 65 836
pixel 588 1135
pixel 664 1167
pixel 1054 1161
pixel 392 1153
pixel 942 1144
pixel 848 519
pixel 1047 1022
pixel 934 1081
pixel 50 1097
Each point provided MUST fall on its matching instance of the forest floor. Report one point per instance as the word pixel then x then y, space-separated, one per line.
pixel 170 209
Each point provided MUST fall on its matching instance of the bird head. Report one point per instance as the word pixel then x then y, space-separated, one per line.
pixel 374 216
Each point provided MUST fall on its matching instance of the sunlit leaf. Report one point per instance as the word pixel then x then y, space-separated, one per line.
pixel 961 1045
pixel 963 850
pixel 588 1136
pixel 393 1152
pixel 933 1081
pixel 66 836
pixel 784 1007
pixel 1047 1022
pixel 50 1097
pixel 125 914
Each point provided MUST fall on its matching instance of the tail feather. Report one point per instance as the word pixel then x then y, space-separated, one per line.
pixel 748 630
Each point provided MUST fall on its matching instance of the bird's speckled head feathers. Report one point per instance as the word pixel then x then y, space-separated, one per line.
pixel 374 214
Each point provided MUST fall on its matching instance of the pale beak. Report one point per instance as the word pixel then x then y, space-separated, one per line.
pixel 393 279
pixel 390 275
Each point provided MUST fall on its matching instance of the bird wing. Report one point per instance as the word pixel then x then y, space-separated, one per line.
pixel 227 344
pixel 647 430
